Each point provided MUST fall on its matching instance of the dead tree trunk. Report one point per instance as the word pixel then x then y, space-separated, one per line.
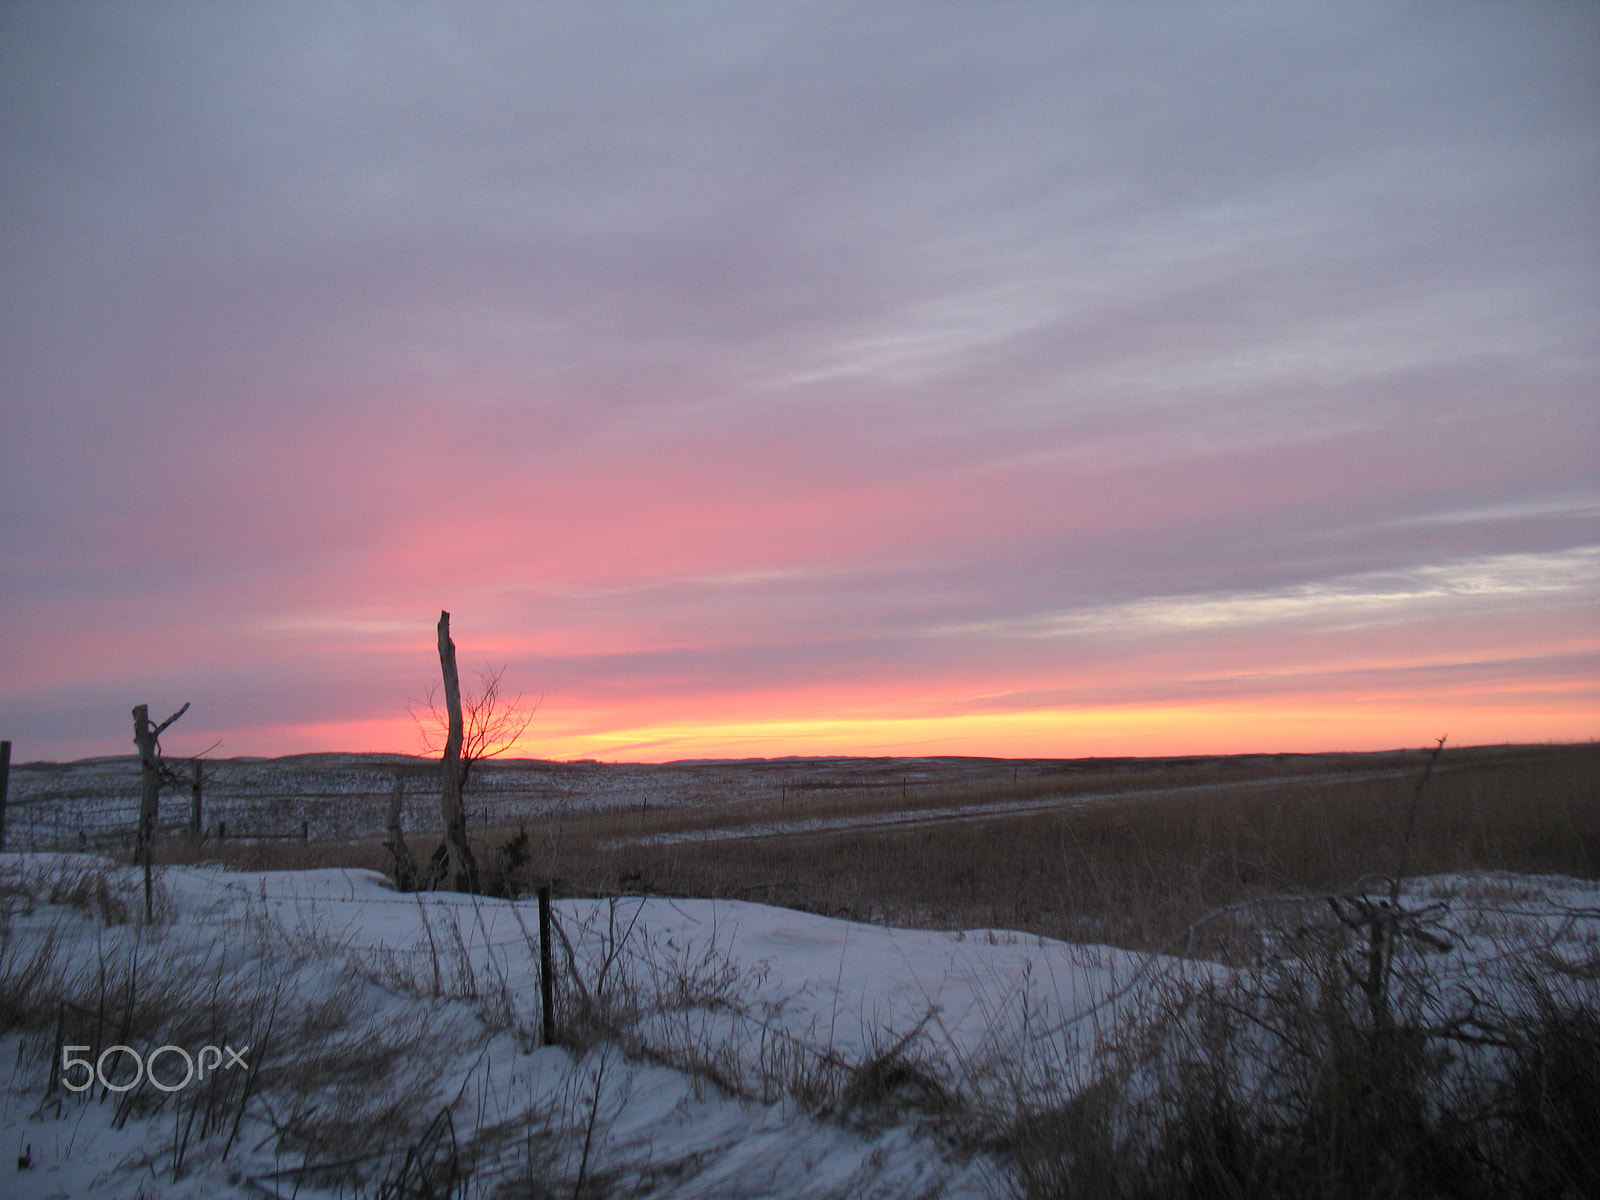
pixel 462 865
pixel 152 772
pixel 144 737
pixel 147 736
pixel 405 867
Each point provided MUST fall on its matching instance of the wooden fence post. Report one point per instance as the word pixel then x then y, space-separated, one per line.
pixel 196 784
pixel 5 782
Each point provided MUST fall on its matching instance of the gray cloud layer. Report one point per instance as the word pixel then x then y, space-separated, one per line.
pixel 975 313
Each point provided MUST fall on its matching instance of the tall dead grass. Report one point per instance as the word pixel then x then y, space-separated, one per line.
pixel 1135 872
pixel 1309 1074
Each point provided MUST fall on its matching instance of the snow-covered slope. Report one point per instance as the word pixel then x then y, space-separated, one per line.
pixel 713 1048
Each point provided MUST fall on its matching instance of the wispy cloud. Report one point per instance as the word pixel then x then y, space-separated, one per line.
pixel 1350 601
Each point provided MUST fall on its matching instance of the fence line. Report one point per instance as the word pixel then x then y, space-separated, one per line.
pixel 102 822
pixel 82 823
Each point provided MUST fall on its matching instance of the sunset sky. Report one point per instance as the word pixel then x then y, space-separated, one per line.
pixel 1027 379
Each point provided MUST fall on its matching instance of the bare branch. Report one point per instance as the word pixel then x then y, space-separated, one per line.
pixel 159 728
pixel 492 725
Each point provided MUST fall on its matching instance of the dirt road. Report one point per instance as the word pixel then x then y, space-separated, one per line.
pixel 912 818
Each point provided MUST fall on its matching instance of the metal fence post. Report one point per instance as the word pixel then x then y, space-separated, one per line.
pixel 546 969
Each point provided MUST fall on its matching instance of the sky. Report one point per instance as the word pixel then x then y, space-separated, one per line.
pixel 801 378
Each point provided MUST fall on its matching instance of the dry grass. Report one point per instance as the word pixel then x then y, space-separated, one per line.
pixel 1297 1078
pixel 1138 871
pixel 327 1066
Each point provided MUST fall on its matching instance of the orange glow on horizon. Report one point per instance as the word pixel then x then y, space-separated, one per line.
pixel 1134 730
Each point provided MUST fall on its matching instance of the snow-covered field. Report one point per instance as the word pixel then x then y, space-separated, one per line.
pixel 713 1048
